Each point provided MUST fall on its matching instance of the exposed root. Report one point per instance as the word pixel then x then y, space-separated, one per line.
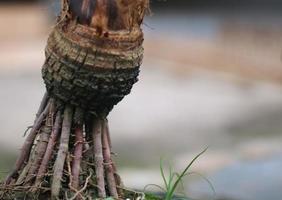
pixel 118 181
pixel 87 82
pixel 42 106
pixel 79 193
pixel 50 148
pixel 65 160
pixel 23 175
pixel 108 162
pixel 42 144
pixel 63 149
pixel 107 132
pixel 24 155
pixel 98 157
pixel 77 156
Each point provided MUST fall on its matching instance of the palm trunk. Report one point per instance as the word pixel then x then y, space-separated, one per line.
pixel 93 57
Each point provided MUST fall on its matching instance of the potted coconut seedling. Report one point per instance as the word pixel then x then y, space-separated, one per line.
pixel 93 56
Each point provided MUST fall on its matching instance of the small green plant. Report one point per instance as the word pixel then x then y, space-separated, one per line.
pixel 175 179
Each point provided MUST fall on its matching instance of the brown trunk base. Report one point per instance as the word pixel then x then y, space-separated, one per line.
pixel 67 155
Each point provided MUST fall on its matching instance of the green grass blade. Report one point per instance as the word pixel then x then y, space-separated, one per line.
pixel 204 178
pixel 181 181
pixel 170 182
pixel 184 196
pixel 207 180
pixel 171 177
pixel 162 173
pixel 172 190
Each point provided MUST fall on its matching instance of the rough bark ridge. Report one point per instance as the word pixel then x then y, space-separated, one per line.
pixel 93 57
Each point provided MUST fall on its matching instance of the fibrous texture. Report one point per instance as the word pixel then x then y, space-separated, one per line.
pixel 89 78
pixel 90 69
pixel 68 159
pixel 93 57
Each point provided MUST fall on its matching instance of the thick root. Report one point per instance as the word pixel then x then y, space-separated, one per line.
pixel 108 162
pixel 98 157
pixel 41 146
pixel 67 155
pixel 79 140
pixel 62 154
pixel 50 148
pixel 27 146
pixel 76 165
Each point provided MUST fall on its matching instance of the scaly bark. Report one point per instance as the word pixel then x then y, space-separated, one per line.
pixel 92 61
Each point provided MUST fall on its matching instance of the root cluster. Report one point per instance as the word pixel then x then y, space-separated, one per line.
pixel 66 155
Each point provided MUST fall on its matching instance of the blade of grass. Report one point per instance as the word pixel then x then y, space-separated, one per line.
pixel 181 181
pixel 183 194
pixel 171 177
pixel 172 190
pixel 206 179
pixel 162 173
pixel 170 181
pixel 201 176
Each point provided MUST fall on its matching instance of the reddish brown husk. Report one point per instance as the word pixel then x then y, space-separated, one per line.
pixel 93 57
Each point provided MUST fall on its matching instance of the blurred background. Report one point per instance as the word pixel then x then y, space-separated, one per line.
pixel 212 77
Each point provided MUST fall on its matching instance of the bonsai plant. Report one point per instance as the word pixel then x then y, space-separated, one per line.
pixel 93 57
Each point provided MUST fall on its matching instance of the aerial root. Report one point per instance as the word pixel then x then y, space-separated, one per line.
pixel 27 146
pixel 109 171
pixel 41 146
pixel 50 148
pixel 112 168
pixel 62 153
pixel 43 104
pixel 98 157
pixel 65 156
pixel 79 140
